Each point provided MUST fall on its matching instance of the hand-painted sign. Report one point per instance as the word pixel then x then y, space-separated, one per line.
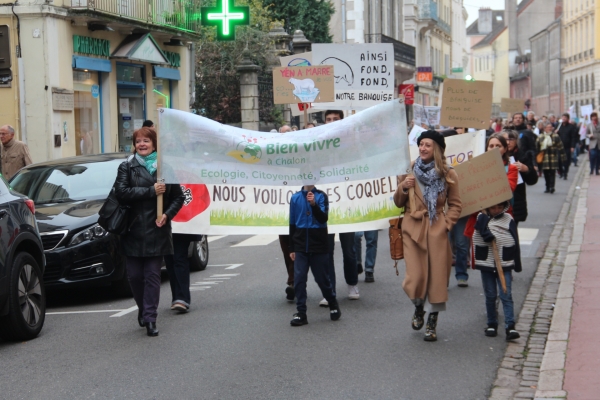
pixel 364 73
pixel 466 103
pixel 312 84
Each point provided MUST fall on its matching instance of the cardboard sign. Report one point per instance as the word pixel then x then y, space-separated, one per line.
pixel 298 60
pixel 433 115
pixel 466 103
pixel 482 182
pixel 511 106
pixel 364 73
pixel 311 84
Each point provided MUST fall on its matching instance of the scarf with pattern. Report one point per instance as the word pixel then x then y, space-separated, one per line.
pixel 148 161
pixel 433 184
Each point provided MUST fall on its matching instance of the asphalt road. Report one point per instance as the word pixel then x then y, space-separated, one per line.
pixel 236 342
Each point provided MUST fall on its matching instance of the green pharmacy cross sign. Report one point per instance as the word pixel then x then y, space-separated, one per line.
pixel 225 16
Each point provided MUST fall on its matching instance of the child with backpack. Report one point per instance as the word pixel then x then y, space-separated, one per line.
pixel 497 226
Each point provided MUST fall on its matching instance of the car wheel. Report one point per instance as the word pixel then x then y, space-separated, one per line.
pixel 199 259
pixel 26 300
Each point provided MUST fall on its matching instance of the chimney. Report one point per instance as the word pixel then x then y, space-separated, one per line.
pixel 484 23
pixel 510 21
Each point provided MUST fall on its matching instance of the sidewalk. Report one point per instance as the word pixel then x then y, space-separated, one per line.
pixel 571 358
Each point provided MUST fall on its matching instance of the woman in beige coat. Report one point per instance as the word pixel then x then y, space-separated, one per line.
pixel 425 229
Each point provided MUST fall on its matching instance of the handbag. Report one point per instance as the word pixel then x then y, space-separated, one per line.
pixel 112 215
pixel 540 157
pixel 396 245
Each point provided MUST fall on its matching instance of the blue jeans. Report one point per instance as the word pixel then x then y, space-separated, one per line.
pixel 575 154
pixel 594 160
pixel 371 253
pixel 178 268
pixel 350 267
pixel 318 264
pixel 461 248
pixel 491 287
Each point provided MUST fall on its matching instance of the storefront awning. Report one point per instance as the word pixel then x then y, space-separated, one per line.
pixel 167 73
pixel 140 48
pixel 92 64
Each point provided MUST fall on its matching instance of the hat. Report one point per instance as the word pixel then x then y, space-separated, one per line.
pixel 433 135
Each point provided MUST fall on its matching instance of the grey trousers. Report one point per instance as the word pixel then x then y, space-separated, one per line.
pixel 144 278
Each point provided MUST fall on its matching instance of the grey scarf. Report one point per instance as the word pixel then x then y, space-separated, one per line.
pixel 434 185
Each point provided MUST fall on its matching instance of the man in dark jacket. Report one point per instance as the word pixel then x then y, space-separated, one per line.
pixel 309 209
pixel 569 135
pixel 527 139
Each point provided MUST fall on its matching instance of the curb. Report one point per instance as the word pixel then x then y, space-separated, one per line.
pixel 552 371
pixel 533 365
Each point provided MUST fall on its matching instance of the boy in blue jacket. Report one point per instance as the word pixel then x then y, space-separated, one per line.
pixel 309 210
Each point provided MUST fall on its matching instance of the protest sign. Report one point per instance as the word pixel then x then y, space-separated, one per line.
pixel 367 145
pixel 466 103
pixel 303 84
pixel 511 106
pixel 458 147
pixel 419 115
pixel 433 115
pixel 298 60
pixel 250 209
pixel 482 182
pixel 586 110
pixel 364 73
pixel 415 132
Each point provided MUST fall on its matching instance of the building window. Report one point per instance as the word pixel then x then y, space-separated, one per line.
pixel 587 84
pixel 593 83
pixel 86 109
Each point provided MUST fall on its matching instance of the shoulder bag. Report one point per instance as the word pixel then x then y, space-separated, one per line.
pixel 396 245
pixel 112 215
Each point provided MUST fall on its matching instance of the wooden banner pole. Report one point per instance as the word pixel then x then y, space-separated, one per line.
pixel 159 198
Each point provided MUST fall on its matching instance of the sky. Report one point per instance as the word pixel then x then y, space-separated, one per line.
pixel 473 6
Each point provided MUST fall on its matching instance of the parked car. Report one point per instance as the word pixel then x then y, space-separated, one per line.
pixel 22 261
pixel 68 194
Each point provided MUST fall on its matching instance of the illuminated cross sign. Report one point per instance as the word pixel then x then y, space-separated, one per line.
pixel 225 16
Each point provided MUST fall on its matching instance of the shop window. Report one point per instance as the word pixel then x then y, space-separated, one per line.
pixel 162 93
pixel 86 112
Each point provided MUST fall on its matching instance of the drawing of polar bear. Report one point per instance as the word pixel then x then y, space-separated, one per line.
pixel 303 85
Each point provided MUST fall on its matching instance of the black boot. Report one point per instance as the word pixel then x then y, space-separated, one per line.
pixel 547 190
pixel 299 319
pixel 418 318
pixel 491 330
pixel 430 334
pixel 141 319
pixel 511 333
pixel 151 329
pixel 334 310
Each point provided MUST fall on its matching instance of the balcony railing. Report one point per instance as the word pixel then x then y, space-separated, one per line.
pixel 182 15
pixel 428 9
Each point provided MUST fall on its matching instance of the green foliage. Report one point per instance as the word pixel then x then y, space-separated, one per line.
pixel 311 16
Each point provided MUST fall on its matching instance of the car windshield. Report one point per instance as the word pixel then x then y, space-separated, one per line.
pixel 67 183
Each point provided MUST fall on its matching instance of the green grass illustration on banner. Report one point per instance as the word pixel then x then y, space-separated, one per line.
pixel 337 216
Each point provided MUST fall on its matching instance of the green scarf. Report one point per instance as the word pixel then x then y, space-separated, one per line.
pixel 148 161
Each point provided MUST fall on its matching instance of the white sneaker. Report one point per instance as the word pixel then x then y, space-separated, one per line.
pixel 324 303
pixel 353 292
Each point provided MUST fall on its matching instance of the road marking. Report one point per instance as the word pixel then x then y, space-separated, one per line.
pixel 197 288
pixel 234 266
pixel 337 237
pixel 527 236
pixel 205 283
pixel 222 275
pixel 125 312
pixel 80 312
pixel 211 239
pixel 216 279
pixel 257 240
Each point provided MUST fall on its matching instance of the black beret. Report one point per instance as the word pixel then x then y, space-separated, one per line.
pixel 433 135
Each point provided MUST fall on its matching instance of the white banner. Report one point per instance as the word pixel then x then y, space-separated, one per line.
pixel 364 73
pixel 367 145
pixel 458 147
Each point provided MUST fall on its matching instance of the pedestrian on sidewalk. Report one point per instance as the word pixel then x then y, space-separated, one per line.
pixel 148 240
pixel 14 154
pixel 497 224
pixel 570 137
pixel 552 146
pixel 351 270
pixel 425 229
pixel 593 134
pixel 309 211
pixel 370 252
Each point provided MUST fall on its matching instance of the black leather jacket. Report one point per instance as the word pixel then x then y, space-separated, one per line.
pixel 135 187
